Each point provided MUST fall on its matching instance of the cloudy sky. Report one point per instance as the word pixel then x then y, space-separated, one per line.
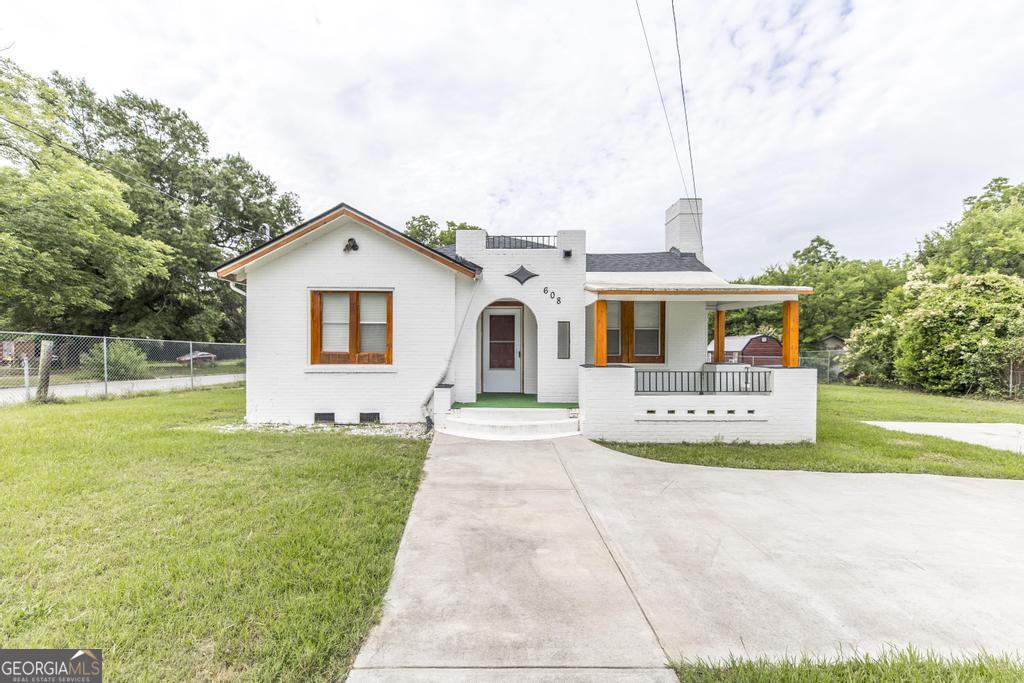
pixel 866 122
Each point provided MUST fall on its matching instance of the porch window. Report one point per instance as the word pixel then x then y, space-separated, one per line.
pixel 614 328
pixel 639 331
pixel 647 328
pixel 350 327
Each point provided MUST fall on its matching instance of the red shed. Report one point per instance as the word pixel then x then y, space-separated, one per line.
pixel 753 349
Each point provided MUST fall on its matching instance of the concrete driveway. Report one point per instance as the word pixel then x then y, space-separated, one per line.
pixel 1002 436
pixel 562 560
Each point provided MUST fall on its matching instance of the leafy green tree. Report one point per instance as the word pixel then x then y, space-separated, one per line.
pixel 447 236
pixel 423 229
pixel 846 291
pixel 954 336
pixel 989 237
pixel 962 333
pixel 205 208
pixel 871 347
pixel 426 230
pixel 64 251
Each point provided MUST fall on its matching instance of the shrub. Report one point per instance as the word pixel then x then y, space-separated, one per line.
pixel 871 351
pixel 124 361
pixel 954 337
pixel 961 334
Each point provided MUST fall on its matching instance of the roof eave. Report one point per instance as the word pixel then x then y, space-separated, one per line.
pixel 342 210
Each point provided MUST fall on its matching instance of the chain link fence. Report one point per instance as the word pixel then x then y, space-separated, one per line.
pixel 1014 379
pixel 40 366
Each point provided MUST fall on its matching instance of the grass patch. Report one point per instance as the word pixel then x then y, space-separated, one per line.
pixel 846 444
pixel 497 400
pixel 183 552
pixel 895 666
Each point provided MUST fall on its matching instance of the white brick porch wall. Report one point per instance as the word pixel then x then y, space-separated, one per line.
pixel 611 410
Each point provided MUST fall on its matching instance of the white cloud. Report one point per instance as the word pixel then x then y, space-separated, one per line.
pixel 865 122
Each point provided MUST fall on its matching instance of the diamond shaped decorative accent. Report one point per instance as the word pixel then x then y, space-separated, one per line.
pixel 521 275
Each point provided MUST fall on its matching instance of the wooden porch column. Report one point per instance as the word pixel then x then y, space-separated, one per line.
pixel 719 354
pixel 600 333
pixel 790 334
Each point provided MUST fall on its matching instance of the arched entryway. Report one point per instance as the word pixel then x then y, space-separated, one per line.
pixel 507 348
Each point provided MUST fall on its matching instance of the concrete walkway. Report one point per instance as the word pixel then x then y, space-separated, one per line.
pixel 1003 436
pixel 17 395
pixel 562 560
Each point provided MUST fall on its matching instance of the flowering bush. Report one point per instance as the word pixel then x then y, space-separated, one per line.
pixel 953 336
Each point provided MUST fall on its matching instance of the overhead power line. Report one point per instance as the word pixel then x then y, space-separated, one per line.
pixel 668 121
pixel 661 96
pixel 682 91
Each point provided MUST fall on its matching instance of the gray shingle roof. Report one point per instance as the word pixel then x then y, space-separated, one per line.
pixel 650 262
pixel 449 251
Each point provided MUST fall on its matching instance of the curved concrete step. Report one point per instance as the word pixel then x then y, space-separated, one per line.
pixel 510 424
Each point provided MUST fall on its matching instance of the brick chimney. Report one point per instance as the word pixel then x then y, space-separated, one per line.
pixel 683 222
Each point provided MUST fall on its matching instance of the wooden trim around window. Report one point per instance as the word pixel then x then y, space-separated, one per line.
pixel 317 356
pixel 627 341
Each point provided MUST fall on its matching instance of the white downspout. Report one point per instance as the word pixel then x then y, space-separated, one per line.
pixel 235 288
pixel 451 354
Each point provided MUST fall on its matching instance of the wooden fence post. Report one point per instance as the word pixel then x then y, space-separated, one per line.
pixel 45 361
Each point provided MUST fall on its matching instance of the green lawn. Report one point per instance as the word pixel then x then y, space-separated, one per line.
pixel 184 552
pixel 845 444
pixel 894 666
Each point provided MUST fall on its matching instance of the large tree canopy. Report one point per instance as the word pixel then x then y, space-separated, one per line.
pixel 957 325
pixel 988 238
pixel 205 208
pixel 136 178
pixel 65 251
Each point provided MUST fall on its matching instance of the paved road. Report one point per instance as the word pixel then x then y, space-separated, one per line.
pixel 1003 436
pixel 17 395
pixel 561 560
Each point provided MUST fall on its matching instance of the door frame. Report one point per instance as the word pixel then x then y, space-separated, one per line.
pixel 500 307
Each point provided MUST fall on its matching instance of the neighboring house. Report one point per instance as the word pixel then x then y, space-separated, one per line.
pixel 350 320
pixel 833 342
pixel 752 349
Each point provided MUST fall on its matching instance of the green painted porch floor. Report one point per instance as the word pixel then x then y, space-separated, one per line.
pixel 511 401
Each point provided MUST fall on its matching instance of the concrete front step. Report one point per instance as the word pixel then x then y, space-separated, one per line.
pixel 511 424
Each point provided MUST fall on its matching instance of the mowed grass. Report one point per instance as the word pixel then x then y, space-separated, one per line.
pixel 893 666
pixel 184 552
pixel 846 444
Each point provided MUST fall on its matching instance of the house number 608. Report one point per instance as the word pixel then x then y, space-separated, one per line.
pixel 551 293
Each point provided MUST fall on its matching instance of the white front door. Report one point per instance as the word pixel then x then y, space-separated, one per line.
pixel 503 350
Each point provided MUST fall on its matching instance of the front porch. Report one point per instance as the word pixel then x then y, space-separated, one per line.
pixel 756 405
pixel 647 378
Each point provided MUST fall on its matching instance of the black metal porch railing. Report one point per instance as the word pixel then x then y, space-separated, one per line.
pixel 703 382
pixel 522 241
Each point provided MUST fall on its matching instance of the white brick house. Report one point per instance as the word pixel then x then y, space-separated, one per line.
pixel 350 320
